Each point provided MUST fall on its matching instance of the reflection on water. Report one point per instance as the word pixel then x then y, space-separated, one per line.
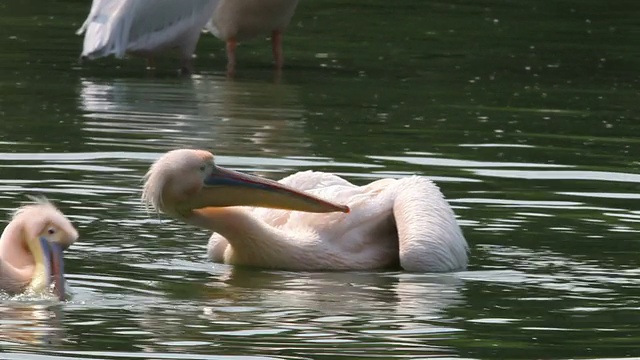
pixel 23 321
pixel 199 112
pixel 311 310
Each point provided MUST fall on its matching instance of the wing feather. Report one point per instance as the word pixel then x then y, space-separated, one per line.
pixel 313 180
pixel 115 27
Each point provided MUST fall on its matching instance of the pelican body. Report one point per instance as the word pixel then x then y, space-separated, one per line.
pixel 145 28
pixel 31 249
pixel 309 220
pixel 241 20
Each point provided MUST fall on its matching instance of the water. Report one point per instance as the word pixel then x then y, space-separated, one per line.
pixel 524 113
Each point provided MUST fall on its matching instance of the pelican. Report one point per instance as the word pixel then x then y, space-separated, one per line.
pixel 240 20
pixel 309 220
pixel 145 28
pixel 31 249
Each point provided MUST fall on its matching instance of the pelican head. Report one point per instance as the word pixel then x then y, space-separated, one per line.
pixel 31 248
pixel 184 180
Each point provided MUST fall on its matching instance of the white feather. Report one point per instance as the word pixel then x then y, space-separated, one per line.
pixel 118 27
pixel 408 219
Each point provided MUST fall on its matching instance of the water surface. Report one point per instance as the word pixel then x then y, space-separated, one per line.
pixel 525 114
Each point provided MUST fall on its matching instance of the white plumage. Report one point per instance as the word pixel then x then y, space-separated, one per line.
pixel 145 28
pixel 391 220
pixel 240 20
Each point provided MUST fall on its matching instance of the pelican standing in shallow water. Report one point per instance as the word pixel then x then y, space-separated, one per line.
pixel 145 28
pixel 294 224
pixel 149 27
pixel 240 20
pixel 31 249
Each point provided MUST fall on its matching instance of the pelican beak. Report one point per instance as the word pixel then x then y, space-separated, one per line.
pixel 224 187
pixel 52 262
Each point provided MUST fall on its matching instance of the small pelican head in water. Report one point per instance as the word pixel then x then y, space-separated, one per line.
pixel 31 249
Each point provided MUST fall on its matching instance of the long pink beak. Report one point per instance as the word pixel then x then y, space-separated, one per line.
pixel 54 264
pixel 225 187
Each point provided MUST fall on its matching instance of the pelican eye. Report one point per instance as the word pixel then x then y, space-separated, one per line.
pixel 203 168
pixel 51 231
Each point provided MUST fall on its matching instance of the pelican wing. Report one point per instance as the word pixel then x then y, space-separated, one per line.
pixel 414 208
pixel 310 180
pixel 98 6
pixel 115 27
pixel 100 38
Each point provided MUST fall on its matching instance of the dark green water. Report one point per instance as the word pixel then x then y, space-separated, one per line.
pixel 524 112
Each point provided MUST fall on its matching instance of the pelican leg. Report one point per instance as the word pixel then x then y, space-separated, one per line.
pixel 231 56
pixel 186 54
pixel 186 67
pixel 150 63
pixel 276 47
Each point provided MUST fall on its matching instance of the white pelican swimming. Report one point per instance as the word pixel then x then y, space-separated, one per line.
pixel 31 249
pixel 240 20
pixel 387 223
pixel 145 28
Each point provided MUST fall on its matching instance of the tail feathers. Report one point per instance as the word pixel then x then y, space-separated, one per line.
pixel 98 43
pixel 105 30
